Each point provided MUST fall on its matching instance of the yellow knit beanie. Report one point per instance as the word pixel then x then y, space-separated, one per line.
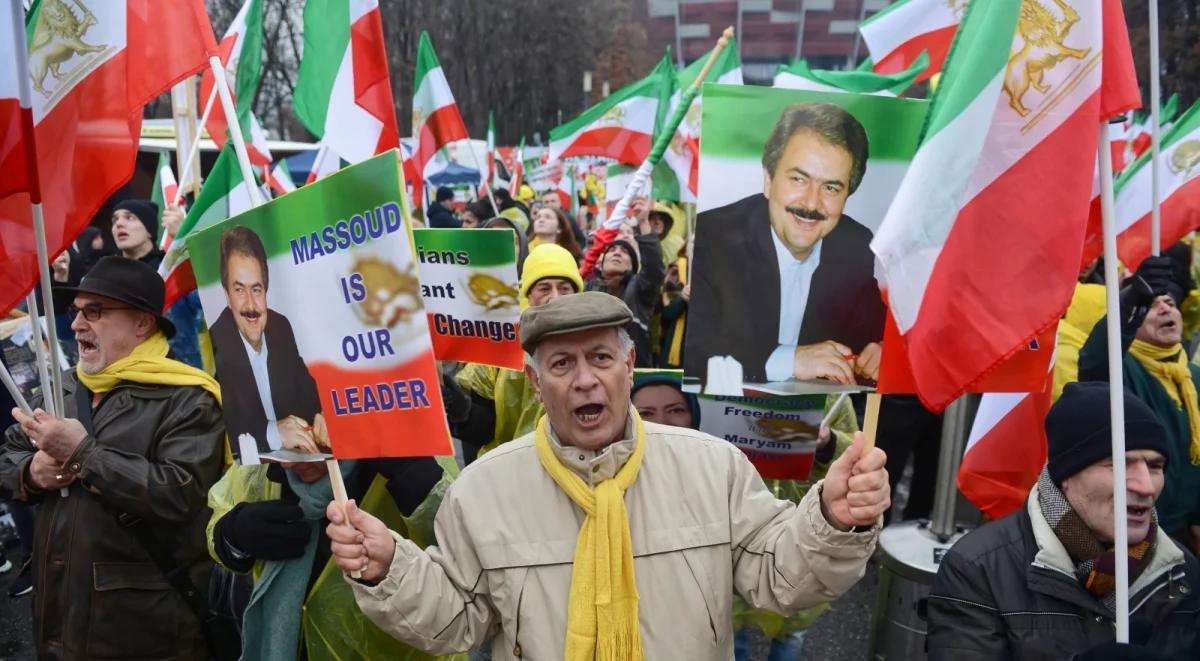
pixel 548 260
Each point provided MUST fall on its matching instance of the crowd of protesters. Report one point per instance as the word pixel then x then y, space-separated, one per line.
pixel 139 539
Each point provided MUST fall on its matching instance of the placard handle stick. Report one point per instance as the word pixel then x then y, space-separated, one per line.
pixel 871 421
pixel 339 494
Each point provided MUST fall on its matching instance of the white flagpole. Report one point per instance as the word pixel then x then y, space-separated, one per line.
pixel 483 175
pixel 235 129
pixel 51 388
pixel 39 353
pixel 1155 132
pixel 1116 394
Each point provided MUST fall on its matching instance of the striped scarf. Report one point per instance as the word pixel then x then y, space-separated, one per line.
pixel 1095 564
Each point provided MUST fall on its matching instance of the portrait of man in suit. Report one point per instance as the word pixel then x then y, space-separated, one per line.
pixel 267 391
pixel 783 280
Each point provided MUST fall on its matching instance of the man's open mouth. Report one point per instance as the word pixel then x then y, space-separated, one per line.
pixel 1137 513
pixel 86 346
pixel 589 413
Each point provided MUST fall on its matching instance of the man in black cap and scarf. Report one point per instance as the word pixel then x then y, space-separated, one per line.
pixel 135 231
pixel 1040 583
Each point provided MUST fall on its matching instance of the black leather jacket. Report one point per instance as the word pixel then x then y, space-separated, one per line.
pixel 97 594
pixel 993 599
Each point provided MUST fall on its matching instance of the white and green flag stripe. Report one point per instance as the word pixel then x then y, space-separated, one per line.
pixel 800 76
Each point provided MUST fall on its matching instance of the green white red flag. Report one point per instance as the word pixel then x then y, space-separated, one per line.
pixel 516 174
pixel 343 92
pixel 972 274
pixel 800 77
pixel 279 178
pixel 223 195
pixel 240 51
pixel 86 112
pixel 436 120
pixel 899 34
pixel 1179 190
pixel 683 154
pixel 620 127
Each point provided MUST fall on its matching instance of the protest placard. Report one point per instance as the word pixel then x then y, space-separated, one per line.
pixel 314 306
pixel 792 186
pixel 469 288
pixel 778 434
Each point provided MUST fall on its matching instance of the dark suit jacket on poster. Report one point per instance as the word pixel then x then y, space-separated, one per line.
pixel 734 310
pixel 293 390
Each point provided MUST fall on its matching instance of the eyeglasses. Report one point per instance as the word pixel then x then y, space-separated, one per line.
pixel 93 311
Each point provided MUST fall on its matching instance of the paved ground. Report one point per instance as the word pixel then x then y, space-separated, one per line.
pixel 16 622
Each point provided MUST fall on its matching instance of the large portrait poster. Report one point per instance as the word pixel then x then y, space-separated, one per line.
pixel 314 307
pixel 792 186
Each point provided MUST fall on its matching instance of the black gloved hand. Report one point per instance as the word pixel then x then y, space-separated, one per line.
pixel 455 400
pixel 270 530
pixel 1152 279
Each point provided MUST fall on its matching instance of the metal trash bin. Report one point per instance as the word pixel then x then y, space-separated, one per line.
pixel 909 554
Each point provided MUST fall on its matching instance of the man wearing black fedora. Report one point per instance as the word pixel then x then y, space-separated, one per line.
pixel 122 481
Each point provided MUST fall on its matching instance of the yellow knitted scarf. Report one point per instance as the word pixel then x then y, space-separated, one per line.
pixel 148 364
pixel 675 353
pixel 1170 367
pixel 602 613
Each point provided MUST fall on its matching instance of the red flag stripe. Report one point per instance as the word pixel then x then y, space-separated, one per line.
pixel 937 42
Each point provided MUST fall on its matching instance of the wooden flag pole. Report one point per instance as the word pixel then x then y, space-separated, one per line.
pixel 339 495
pixel 186 172
pixel 1116 388
pixel 663 139
pixel 871 421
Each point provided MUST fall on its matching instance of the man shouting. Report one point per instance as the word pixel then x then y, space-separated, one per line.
pixel 599 535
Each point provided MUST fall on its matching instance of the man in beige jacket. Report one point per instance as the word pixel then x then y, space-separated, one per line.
pixel 600 536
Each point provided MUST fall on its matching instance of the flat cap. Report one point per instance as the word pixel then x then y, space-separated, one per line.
pixel 569 314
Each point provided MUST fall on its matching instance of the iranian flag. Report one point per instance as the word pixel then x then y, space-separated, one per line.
pixel 16 121
pixel 565 187
pixel 898 35
pixel 436 120
pixel 620 127
pixel 516 174
pixel 224 194
pixel 1005 450
pixel 279 178
pixel 325 163
pixel 683 154
pixel 799 76
pixel 163 193
pixel 1179 190
pixel 240 51
pixel 88 94
pixel 979 251
pixel 343 93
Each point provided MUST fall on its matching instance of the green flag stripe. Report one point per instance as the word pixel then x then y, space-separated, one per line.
pixel 759 107
pixel 1188 123
pixel 249 68
pixel 484 248
pixel 862 81
pixel 222 179
pixel 326 38
pixel 980 51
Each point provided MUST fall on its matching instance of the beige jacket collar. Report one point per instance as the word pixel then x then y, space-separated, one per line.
pixel 594 466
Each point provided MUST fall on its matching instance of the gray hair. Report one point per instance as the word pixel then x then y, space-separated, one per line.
pixel 624 343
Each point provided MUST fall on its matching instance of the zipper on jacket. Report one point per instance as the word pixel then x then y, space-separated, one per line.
pixel 517 633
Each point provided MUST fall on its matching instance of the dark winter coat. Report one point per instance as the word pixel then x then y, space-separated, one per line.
pixel 1008 591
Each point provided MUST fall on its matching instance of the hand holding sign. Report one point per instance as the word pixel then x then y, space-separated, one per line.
pixel 856 490
pixel 366 548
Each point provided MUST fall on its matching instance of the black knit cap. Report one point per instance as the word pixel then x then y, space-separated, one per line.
pixel 1079 429
pixel 146 211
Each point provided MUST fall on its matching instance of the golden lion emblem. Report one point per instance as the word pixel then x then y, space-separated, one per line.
pixel 1042 36
pixel 614 115
pixel 392 295
pixel 1185 158
pixel 788 431
pixel 490 292
pixel 58 38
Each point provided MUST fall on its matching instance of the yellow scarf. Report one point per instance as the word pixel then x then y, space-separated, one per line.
pixel 148 364
pixel 1170 367
pixel 602 614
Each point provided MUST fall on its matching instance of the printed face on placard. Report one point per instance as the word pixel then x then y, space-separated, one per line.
pixel 792 186
pixel 320 337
